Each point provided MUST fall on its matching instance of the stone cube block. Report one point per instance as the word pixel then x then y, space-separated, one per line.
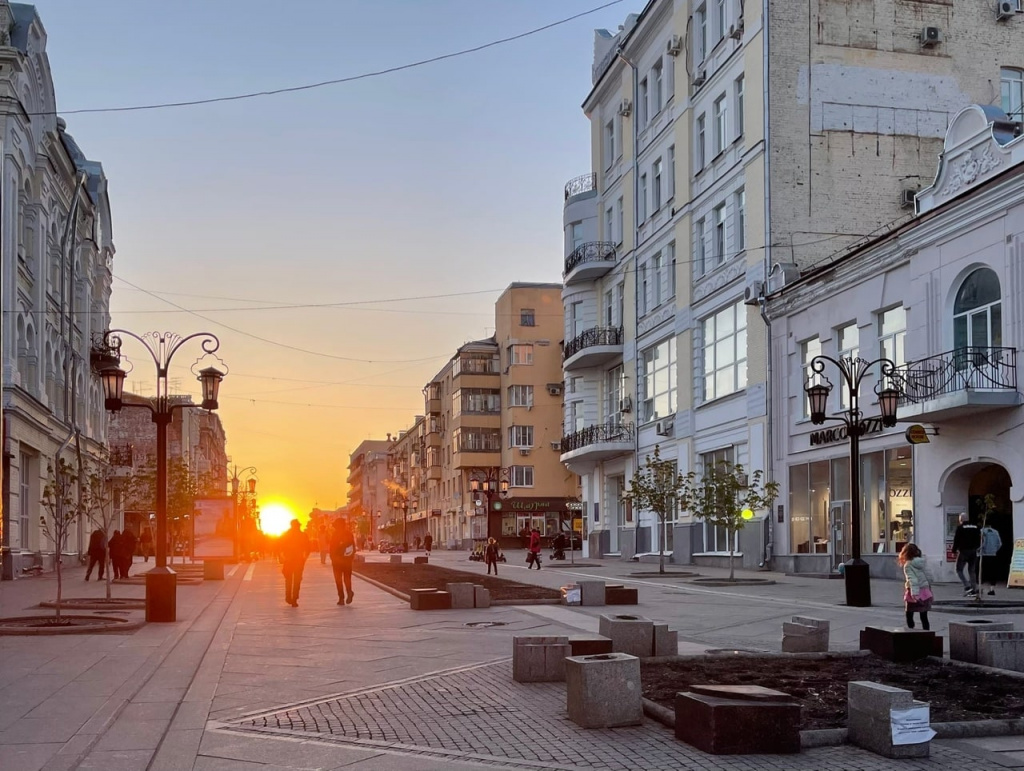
pixel 420 560
pixel 429 599
pixel 213 570
pixel 481 597
pixel 463 595
pixel 629 634
pixel 1004 650
pixel 589 644
pixel 738 720
pixel 620 595
pixel 395 559
pixel 539 659
pixel 900 645
pixel 804 638
pixel 869 722
pixel 666 641
pixel 603 691
pixel 591 592
pixel 963 637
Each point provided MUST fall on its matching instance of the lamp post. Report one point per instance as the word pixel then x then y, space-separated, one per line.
pixel 242 522
pixel 161 581
pixel 852 370
pixel 401 502
pixel 490 486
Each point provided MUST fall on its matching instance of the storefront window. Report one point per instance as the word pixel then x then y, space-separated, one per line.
pixel 799 509
pixel 900 480
pixel 872 493
pixel 821 496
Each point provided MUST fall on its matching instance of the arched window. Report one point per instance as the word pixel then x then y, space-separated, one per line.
pixel 977 311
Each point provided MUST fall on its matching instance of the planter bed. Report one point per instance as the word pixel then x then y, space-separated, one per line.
pixel 403 577
pixel 819 682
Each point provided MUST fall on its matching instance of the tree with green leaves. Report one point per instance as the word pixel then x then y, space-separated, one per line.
pixel 659 487
pixel 182 490
pixel 726 497
pixel 63 502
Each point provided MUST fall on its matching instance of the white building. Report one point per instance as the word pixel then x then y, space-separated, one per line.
pixel 55 239
pixel 943 297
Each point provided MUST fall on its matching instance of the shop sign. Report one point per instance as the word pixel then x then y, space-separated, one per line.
pixel 917 434
pixel 539 505
pixel 841 434
pixel 1017 564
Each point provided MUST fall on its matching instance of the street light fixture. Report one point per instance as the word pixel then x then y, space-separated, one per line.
pixel 852 370
pixel 243 523
pixel 161 581
pixel 494 483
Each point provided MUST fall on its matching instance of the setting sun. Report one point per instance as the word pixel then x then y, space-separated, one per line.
pixel 275 518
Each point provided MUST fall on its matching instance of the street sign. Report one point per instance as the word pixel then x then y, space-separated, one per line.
pixel 917 434
pixel 574 506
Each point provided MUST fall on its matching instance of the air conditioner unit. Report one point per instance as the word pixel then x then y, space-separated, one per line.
pixel 625 108
pixel 699 78
pixel 674 46
pixel 524 451
pixel 736 30
pixel 931 36
pixel 556 445
pixel 554 389
pixel 753 293
pixel 1005 9
pixel 907 196
pixel 625 404
pixel 664 427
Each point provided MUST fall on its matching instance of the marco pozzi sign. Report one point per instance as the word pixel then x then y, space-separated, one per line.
pixel 840 433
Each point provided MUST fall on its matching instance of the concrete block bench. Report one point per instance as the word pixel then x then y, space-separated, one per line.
pixel 481 596
pixel 963 637
pixel 666 641
pixel 420 560
pixel 869 719
pixel 738 720
pixel 900 645
pixel 589 644
pixel 463 595
pixel 805 634
pixel 603 690
pixel 615 594
pixel 429 599
pixel 395 559
pixel 591 592
pixel 629 634
pixel 539 659
pixel 1004 650
pixel 213 570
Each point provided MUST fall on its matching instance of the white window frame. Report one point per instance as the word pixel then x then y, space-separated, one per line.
pixel 520 396
pixel 892 343
pixel 614 391
pixel 609 143
pixel 700 249
pixel 642 289
pixel 809 349
pixel 702 123
pixel 718 234
pixel 721 19
pixel 849 348
pixel 1011 90
pixel 643 198
pixel 724 331
pixel 576 235
pixel 658 381
pixel 671 172
pixel 609 224
pixel 620 214
pixel 520 476
pixel 656 269
pixel 575 318
pixel 520 354
pixel 520 437
pixel 740 199
pixel 739 85
pixel 656 173
pixel 700 32
pixel 643 97
pixel 657 79
pixel 713 534
pixel 672 269
pixel 720 112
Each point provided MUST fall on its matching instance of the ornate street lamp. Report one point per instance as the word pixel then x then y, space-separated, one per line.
pixel 495 483
pixel 161 581
pixel 852 370
pixel 243 514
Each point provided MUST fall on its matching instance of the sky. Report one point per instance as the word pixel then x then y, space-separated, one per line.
pixel 410 199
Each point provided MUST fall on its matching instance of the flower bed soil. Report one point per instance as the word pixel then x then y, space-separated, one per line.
pixel 407 576
pixel 956 693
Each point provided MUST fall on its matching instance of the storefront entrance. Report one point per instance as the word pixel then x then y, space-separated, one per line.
pixel 983 491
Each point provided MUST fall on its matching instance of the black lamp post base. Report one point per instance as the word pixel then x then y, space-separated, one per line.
pixel 858 583
pixel 161 595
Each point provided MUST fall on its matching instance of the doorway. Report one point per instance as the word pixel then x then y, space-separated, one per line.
pixel 988 500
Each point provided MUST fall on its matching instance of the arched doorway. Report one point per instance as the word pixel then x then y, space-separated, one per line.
pixel 988 496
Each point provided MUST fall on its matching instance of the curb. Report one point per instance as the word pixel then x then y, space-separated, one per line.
pixel 116 626
pixel 405 597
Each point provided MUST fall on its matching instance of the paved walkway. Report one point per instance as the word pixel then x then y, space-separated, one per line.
pixel 244 681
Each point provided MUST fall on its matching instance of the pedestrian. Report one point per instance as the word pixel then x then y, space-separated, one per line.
pixel 917 593
pixel 146 543
pixel 533 555
pixel 416 543
pixel 491 553
pixel 97 553
pixel 343 553
pixel 293 546
pixel 116 547
pixel 428 541
pixel 324 541
pixel 966 543
pixel 128 552
pixel 991 543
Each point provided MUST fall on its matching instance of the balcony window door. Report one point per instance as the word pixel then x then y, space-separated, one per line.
pixel 614 393
pixel 575 319
pixel 577 235
pixel 978 318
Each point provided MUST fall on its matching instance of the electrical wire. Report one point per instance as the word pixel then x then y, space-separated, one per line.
pixel 333 81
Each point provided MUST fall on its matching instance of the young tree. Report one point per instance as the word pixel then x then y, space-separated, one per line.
pixel 99 508
pixel 725 497
pixel 63 501
pixel 659 487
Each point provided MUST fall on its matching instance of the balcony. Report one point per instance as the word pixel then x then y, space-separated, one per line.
pixel 589 261
pixel 122 456
pixel 592 348
pixel 434 473
pixel 581 185
pixel 958 383
pixel 595 443
pixel 476 457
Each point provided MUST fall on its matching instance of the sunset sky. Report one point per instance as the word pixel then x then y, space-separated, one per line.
pixel 341 241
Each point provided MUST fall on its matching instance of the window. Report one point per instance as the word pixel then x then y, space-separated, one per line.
pixel 609 309
pixel 520 396
pixel 656 186
pixel 719 114
pixel 808 350
pixel 741 219
pixel 576 419
pixel 699 247
pixel 977 311
pixel 657 78
pixel 892 330
pixel 738 90
pixel 658 381
pixel 526 317
pixel 671 172
pixel 701 33
pixel 720 26
pixel 24 498
pixel 620 221
pixel 609 225
pixel 848 343
pixel 643 198
pixel 520 476
pixel 609 143
pixel 520 436
pixel 476 400
pixel 575 319
pixel 718 234
pixel 477 364
pixel 1011 83
pixel 725 352
pixel 476 440
pixel 642 289
pixel 520 353
pixel 656 269
pixel 641 108
pixel 614 392
pixel 672 269
pixel 576 235
pixel 701 131
pixel 716 538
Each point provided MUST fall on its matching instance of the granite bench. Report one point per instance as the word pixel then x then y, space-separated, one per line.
pixel 900 645
pixel 869 719
pixel 539 659
pixel 738 720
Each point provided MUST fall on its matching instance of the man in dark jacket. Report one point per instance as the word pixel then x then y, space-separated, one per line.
pixel 128 552
pixel 97 553
pixel 294 549
pixel 966 542
pixel 343 554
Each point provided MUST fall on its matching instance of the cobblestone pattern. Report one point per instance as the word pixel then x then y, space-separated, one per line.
pixel 481 714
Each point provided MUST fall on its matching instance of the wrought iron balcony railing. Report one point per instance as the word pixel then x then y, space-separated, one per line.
pixel 962 369
pixel 609 432
pixel 581 184
pixel 592 251
pixel 592 337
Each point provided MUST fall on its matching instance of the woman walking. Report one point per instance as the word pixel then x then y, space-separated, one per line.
pixel 343 552
pixel 491 555
pixel 918 591
pixel 533 556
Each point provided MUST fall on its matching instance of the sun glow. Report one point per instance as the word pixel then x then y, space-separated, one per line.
pixel 275 518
